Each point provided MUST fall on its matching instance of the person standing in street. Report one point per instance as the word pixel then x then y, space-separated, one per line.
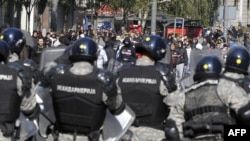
pixel 81 94
pixel 201 111
pixel 17 101
pixel 143 87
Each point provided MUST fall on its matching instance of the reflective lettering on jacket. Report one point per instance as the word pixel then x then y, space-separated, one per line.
pixel 78 102
pixel 139 80
pixel 78 90
pixel 6 77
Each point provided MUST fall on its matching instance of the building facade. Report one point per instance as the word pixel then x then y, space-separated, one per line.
pixel 242 12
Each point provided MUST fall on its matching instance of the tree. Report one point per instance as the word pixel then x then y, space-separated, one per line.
pixel 28 5
pixel 126 5
pixel 2 2
pixel 194 9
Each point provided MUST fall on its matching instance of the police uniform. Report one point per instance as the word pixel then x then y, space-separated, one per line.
pixel 143 88
pixel 81 93
pixel 14 83
pixel 202 110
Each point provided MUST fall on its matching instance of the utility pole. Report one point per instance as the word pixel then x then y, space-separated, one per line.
pixel 153 17
pixel 225 17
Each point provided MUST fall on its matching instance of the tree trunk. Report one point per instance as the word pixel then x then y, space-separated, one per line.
pixel 10 12
pixel 61 10
pixel 54 7
pixel 28 22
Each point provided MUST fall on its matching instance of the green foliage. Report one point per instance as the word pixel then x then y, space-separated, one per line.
pixel 66 2
pixel 2 2
pixel 204 10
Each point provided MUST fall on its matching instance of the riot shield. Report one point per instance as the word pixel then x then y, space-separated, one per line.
pixel 30 42
pixel 47 115
pixel 51 54
pixel 28 128
pixel 115 126
pixel 195 57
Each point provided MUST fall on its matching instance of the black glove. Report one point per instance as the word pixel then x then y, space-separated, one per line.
pixel 171 131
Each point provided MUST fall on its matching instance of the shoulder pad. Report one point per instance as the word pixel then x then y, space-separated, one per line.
pixel 166 75
pixel 15 65
pixel 24 75
pixel 164 69
pixel 245 83
pixel 105 77
pixel 60 69
pixel 30 64
pixel 197 85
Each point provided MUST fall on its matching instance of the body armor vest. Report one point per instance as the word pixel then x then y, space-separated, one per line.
pixel 140 90
pixel 9 98
pixel 78 102
pixel 204 111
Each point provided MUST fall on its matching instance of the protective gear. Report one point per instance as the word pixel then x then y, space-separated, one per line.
pixel 208 67
pixel 152 45
pixel 15 38
pixel 9 99
pixel 203 106
pixel 114 127
pixel 245 83
pixel 171 131
pixel 237 60
pixel 47 116
pixel 84 49
pixel 51 54
pixel 109 87
pixel 167 76
pixel 244 115
pixel 71 119
pixel 4 51
pixel 145 99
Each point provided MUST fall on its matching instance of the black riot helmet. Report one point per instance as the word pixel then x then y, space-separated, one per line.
pixel 14 37
pixel 84 49
pixel 209 67
pixel 4 51
pixel 153 46
pixel 237 60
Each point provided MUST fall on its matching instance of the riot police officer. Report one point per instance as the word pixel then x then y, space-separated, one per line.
pixel 15 98
pixel 233 81
pixel 201 111
pixel 143 87
pixel 81 93
pixel 16 41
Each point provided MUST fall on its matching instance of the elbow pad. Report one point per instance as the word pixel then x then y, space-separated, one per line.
pixel 244 115
pixel 167 77
pixel 48 76
pixel 107 79
pixel 34 69
pixel 33 114
pixel 24 76
pixel 171 131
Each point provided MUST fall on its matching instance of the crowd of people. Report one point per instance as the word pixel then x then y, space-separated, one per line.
pixel 173 89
